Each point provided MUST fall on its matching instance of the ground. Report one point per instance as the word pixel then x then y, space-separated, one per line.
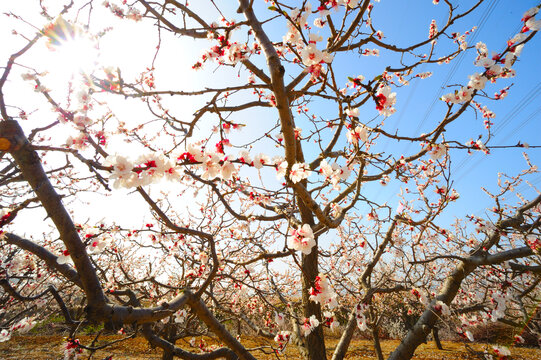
pixel 51 348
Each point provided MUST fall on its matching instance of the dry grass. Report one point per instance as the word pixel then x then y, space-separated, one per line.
pixel 51 348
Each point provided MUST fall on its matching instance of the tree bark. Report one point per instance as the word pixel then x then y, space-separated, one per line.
pixel 29 163
pixel 436 337
pixel 315 341
pixel 417 335
pixel 377 345
pixel 345 339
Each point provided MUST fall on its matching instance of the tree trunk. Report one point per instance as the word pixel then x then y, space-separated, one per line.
pixel 377 345
pixel 167 355
pixel 171 334
pixel 436 337
pixel 315 341
pixel 417 335
pixel 345 339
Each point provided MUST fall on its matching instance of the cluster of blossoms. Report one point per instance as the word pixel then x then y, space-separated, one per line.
pixel 151 168
pixel 282 338
pixel 5 335
pixel 299 172
pixel 477 145
pixel 311 56
pixel 433 30
pixel 78 142
pixel 330 321
pixel 486 112
pixel 491 63
pixel 301 239
pixel 501 352
pixel 385 100
pixel 147 169
pixel 334 173
pixel 279 319
pixel 5 214
pixel 227 52
pixel 131 14
pixel 465 334
pixel 359 133
pixel 352 112
pixel 72 349
pixel 534 243
pixel 18 262
pixel 442 308
pixel 322 293
pixel 309 325
pixel 500 305
pixel 437 151
pixel 361 318
pixel 180 316
pixel 23 326
pixel 421 295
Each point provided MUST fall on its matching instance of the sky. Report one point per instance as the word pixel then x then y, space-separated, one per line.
pixel 418 105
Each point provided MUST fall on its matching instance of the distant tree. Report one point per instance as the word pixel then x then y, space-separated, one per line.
pixel 258 211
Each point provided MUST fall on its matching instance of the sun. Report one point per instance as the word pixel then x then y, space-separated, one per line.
pixel 72 51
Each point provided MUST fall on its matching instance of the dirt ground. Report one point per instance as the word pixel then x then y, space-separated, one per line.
pixel 51 348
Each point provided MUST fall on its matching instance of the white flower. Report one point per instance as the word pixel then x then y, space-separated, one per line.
pixel 122 169
pixel 5 335
pixel 502 351
pixel 485 62
pixel 180 316
pixel 532 24
pixel 228 170
pixel 359 133
pixel 97 246
pixel 528 14
pixel 320 22
pixel 299 171
pixel 301 239
pixel 244 156
pixel 460 96
pixel 469 335
pixel 279 319
pixel 309 325
pixel 281 168
pixel 282 338
pixel 202 257
pixel 477 81
pixel 353 112
pixel 441 306
pixel 311 55
pixel 63 258
pixel 385 101
pixel 25 325
pixel 262 159
pixel 352 3
pixel 438 151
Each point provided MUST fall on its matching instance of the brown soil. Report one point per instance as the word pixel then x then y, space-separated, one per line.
pixel 51 348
